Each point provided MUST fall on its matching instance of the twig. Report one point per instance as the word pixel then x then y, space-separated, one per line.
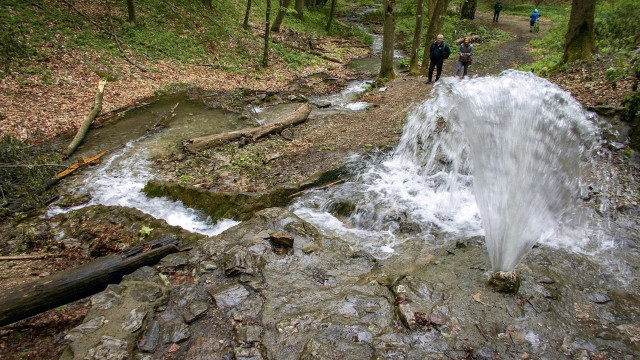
pixel 318 188
pixel 27 166
pixel 534 308
pixel 27 257
pixel 481 332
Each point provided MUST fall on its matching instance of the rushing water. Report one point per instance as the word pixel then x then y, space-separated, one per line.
pixel 500 155
pixel 119 180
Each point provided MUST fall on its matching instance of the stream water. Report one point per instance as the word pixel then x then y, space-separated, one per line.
pixel 119 180
pixel 505 157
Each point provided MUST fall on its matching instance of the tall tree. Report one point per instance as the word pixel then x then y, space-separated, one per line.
pixel 468 10
pixel 417 33
pixel 245 24
pixel 300 9
pixel 437 14
pixel 267 35
pixel 579 42
pixel 284 4
pixel 331 12
pixel 131 9
pixel 388 35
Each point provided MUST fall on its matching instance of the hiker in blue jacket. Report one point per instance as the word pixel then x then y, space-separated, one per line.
pixel 534 17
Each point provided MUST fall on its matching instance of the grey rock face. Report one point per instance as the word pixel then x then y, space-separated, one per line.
pixel 230 296
pixel 151 338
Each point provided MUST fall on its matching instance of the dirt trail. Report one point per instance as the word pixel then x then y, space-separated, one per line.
pixel 322 144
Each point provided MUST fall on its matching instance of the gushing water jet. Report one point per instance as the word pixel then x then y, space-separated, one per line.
pixel 525 142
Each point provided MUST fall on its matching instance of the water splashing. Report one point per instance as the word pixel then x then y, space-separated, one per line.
pixel 526 141
pixel 504 154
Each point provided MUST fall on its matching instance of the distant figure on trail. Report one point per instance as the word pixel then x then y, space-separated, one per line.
pixel 437 53
pixel 465 52
pixel 534 18
pixel 496 10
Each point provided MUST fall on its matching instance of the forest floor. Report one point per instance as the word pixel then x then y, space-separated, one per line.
pixel 317 145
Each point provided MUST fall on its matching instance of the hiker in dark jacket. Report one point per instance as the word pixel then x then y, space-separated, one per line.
pixel 496 10
pixel 437 53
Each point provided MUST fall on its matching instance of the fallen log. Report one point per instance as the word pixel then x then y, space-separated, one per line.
pixel 252 134
pixel 82 131
pixel 74 284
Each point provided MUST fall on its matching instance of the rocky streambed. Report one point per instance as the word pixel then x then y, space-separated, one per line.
pixel 274 287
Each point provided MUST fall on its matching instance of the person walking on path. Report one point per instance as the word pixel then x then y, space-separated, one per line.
pixel 534 18
pixel 496 10
pixel 438 52
pixel 465 52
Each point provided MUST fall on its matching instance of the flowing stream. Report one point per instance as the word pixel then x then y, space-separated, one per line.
pixel 502 157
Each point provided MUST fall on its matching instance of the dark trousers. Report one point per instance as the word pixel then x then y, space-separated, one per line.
pixel 496 14
pixel 438 65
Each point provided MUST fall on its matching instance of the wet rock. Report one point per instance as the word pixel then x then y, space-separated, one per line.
pixel 247 353
pixel 210 349
pixel 134 321
pixel 230 296
pixel 361 254
pixel 109 298
pixel 110 348
pixel 281 238
pixel 410 227
pixel 145 291
pixel 192 302
pixel 598 298
pixel 341 208
pixel 175 331
pixel 207 266
pixel 175 261
pixel 322 104
pixel 485 354
pixel 145 273
pixel 86 328
pixel 248 334
pixel 151 338
pixel 546 280
pixel 240 261
pixel 334 347
pixel 504 282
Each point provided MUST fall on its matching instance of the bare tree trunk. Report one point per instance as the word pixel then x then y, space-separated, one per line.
pixel 82 131
pixel 131 8
pixel 284 4
pixel 267 35
pixel 579 42
pixel 468 10
pixel 298 116
pixel 300 9
pixel 436 20
pixel 417 33
pixel 388 40
pixel 331 12
pixel 245 24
